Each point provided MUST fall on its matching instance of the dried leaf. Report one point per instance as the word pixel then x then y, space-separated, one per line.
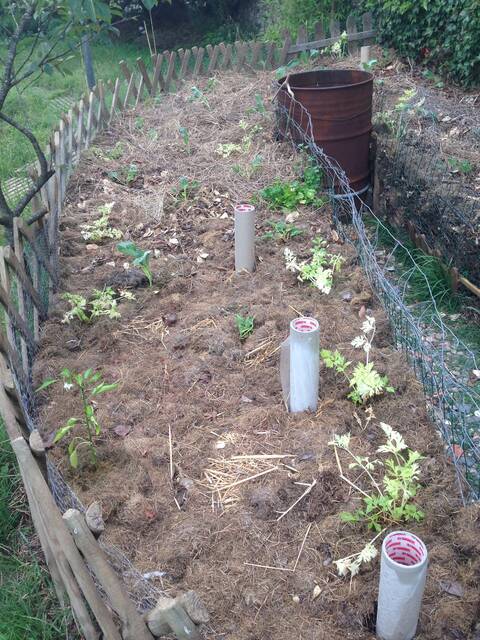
pixel 122 430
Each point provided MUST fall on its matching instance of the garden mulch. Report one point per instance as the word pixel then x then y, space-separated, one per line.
pixel 182 370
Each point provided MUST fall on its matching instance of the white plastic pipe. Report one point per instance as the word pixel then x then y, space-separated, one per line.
pixel 245 237
pixel 403 571
pixel 364 56
pixel 300 365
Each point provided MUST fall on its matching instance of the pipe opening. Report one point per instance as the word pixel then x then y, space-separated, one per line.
pixel 305 325
pixel 244 208
pixel 405 549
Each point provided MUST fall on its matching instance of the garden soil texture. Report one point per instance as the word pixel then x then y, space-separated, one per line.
pixel 182 370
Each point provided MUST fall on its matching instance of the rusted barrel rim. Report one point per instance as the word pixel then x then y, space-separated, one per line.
pixel 368 77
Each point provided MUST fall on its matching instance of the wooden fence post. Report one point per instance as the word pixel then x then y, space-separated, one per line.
pixel 351 30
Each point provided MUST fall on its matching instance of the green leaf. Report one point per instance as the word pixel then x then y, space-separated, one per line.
pixel 103 388
pixel 74 458
pixel 62 432
pixel 45 384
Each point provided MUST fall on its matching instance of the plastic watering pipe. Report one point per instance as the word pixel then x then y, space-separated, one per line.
pixel 403 571
pixel 300 365
pixel 245 237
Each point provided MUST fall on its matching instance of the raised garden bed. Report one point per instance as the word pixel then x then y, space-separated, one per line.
pixel 193 399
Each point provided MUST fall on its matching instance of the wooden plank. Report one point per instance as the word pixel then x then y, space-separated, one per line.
pixel 353 47
pixel 10 337
pixel 18 322
pixel 128 94
pixel 319 31
pixel 334 29
pixel 367 27
pixel 11 356
pixel 213 59
pixel 70 140
pixel 146 80
pixel 302 35
pixel 198 62
pixel 81 108
pixel 170 70
pixel 133 626
pixel 287 43
pixel 16 265
pixel 66 552
pixel 184 68
pixel 320 44
pixel 115 100
pixel 157 74
pixel 20 318
pixel 256 49
pixel 103 112
pixel 271 46
pixel 241 52
pixel 129 77
pixel 37 448
pixel 89 127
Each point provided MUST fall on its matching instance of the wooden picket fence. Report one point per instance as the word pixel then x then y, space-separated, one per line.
pixel 29 276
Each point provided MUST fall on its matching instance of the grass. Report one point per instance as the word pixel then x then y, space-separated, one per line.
pixel 28 604
pixel 36 108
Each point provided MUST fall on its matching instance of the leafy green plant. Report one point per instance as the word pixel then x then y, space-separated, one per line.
pixel 89 385
pixel 100 229
pixel 282 231
pixel 339 48
pixel 227 149
pixel 140 257
pixel 387 488
pixel 364 380
pixel 102 303
pixel 287 196
pixel 285 69
pixel 197 94
pixel 319 270
pixel 456 165
pixel 244 325
pixel 429 75
pixel 185 134
pixel 186 188
pixel 370 65
pixel 139 122
pixel 125 175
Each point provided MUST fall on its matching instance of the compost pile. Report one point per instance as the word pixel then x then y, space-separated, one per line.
pixel 199 462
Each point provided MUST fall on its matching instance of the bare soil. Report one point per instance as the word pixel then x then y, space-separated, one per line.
pixel 181 367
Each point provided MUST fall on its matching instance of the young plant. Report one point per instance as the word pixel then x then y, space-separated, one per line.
pixel 227 149
pixel 288 196
pixel 319 270
pixel 369 66
pixel 125 175
pixel 364 380
pixel 339 48
pixel 186 188
pixel 197 94
pixel 100 229
pixel 140 257
pixel 102 303
pixel 244 325
pixel 89 385
pixel 387 486
pixel 282 231
pixel 185 134
pixel 464 167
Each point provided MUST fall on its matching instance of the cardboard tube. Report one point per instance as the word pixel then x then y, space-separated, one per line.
pixel 403 571
pixel 245 237
pixel 300 364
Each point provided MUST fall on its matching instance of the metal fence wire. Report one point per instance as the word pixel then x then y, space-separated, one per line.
pixel 443 365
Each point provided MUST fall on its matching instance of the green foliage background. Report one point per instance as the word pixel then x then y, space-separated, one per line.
pixel 444 33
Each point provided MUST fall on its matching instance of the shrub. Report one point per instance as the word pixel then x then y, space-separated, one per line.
pixel 291 14
pixel 443 34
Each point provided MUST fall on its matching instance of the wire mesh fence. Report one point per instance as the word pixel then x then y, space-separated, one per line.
pixel 444 365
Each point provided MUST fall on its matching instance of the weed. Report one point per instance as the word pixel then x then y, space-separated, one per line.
pixel 100 229
pixel 365 381
pixel 282 231
pixel 139 122
pixel 244 325
pixel 388 488
pixel 116 153
pixel 339 48
pixel 140 257
pixel 197 94
pixel 227 149
pixel 186 188
pixel 89 385
pixel 185 134
pixel 319 270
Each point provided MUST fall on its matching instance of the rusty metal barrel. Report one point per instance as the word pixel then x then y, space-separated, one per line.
pixel 339 102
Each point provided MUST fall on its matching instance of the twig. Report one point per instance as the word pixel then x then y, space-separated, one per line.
pixel 306 492
pixel 303 544
pixel 266 566
pixel 257 475
pixel 263 456
pixel 170 451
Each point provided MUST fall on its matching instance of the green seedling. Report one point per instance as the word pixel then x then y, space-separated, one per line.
pixel 437 81
pixel 185 134
pixel 460 166
pixel 339 48
pixel 370 65
pixel 186 188
pixel 319 270
pixel 364 380
pixel 244 325
pixel 282 231
pixel 89 386
pixel 102 303
pixel 140 257
pixel 227 149
pixel 387 487
pixel 100 229
pixel 288 196
pixel 139 122
pixel 125 175
pixel 197 94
